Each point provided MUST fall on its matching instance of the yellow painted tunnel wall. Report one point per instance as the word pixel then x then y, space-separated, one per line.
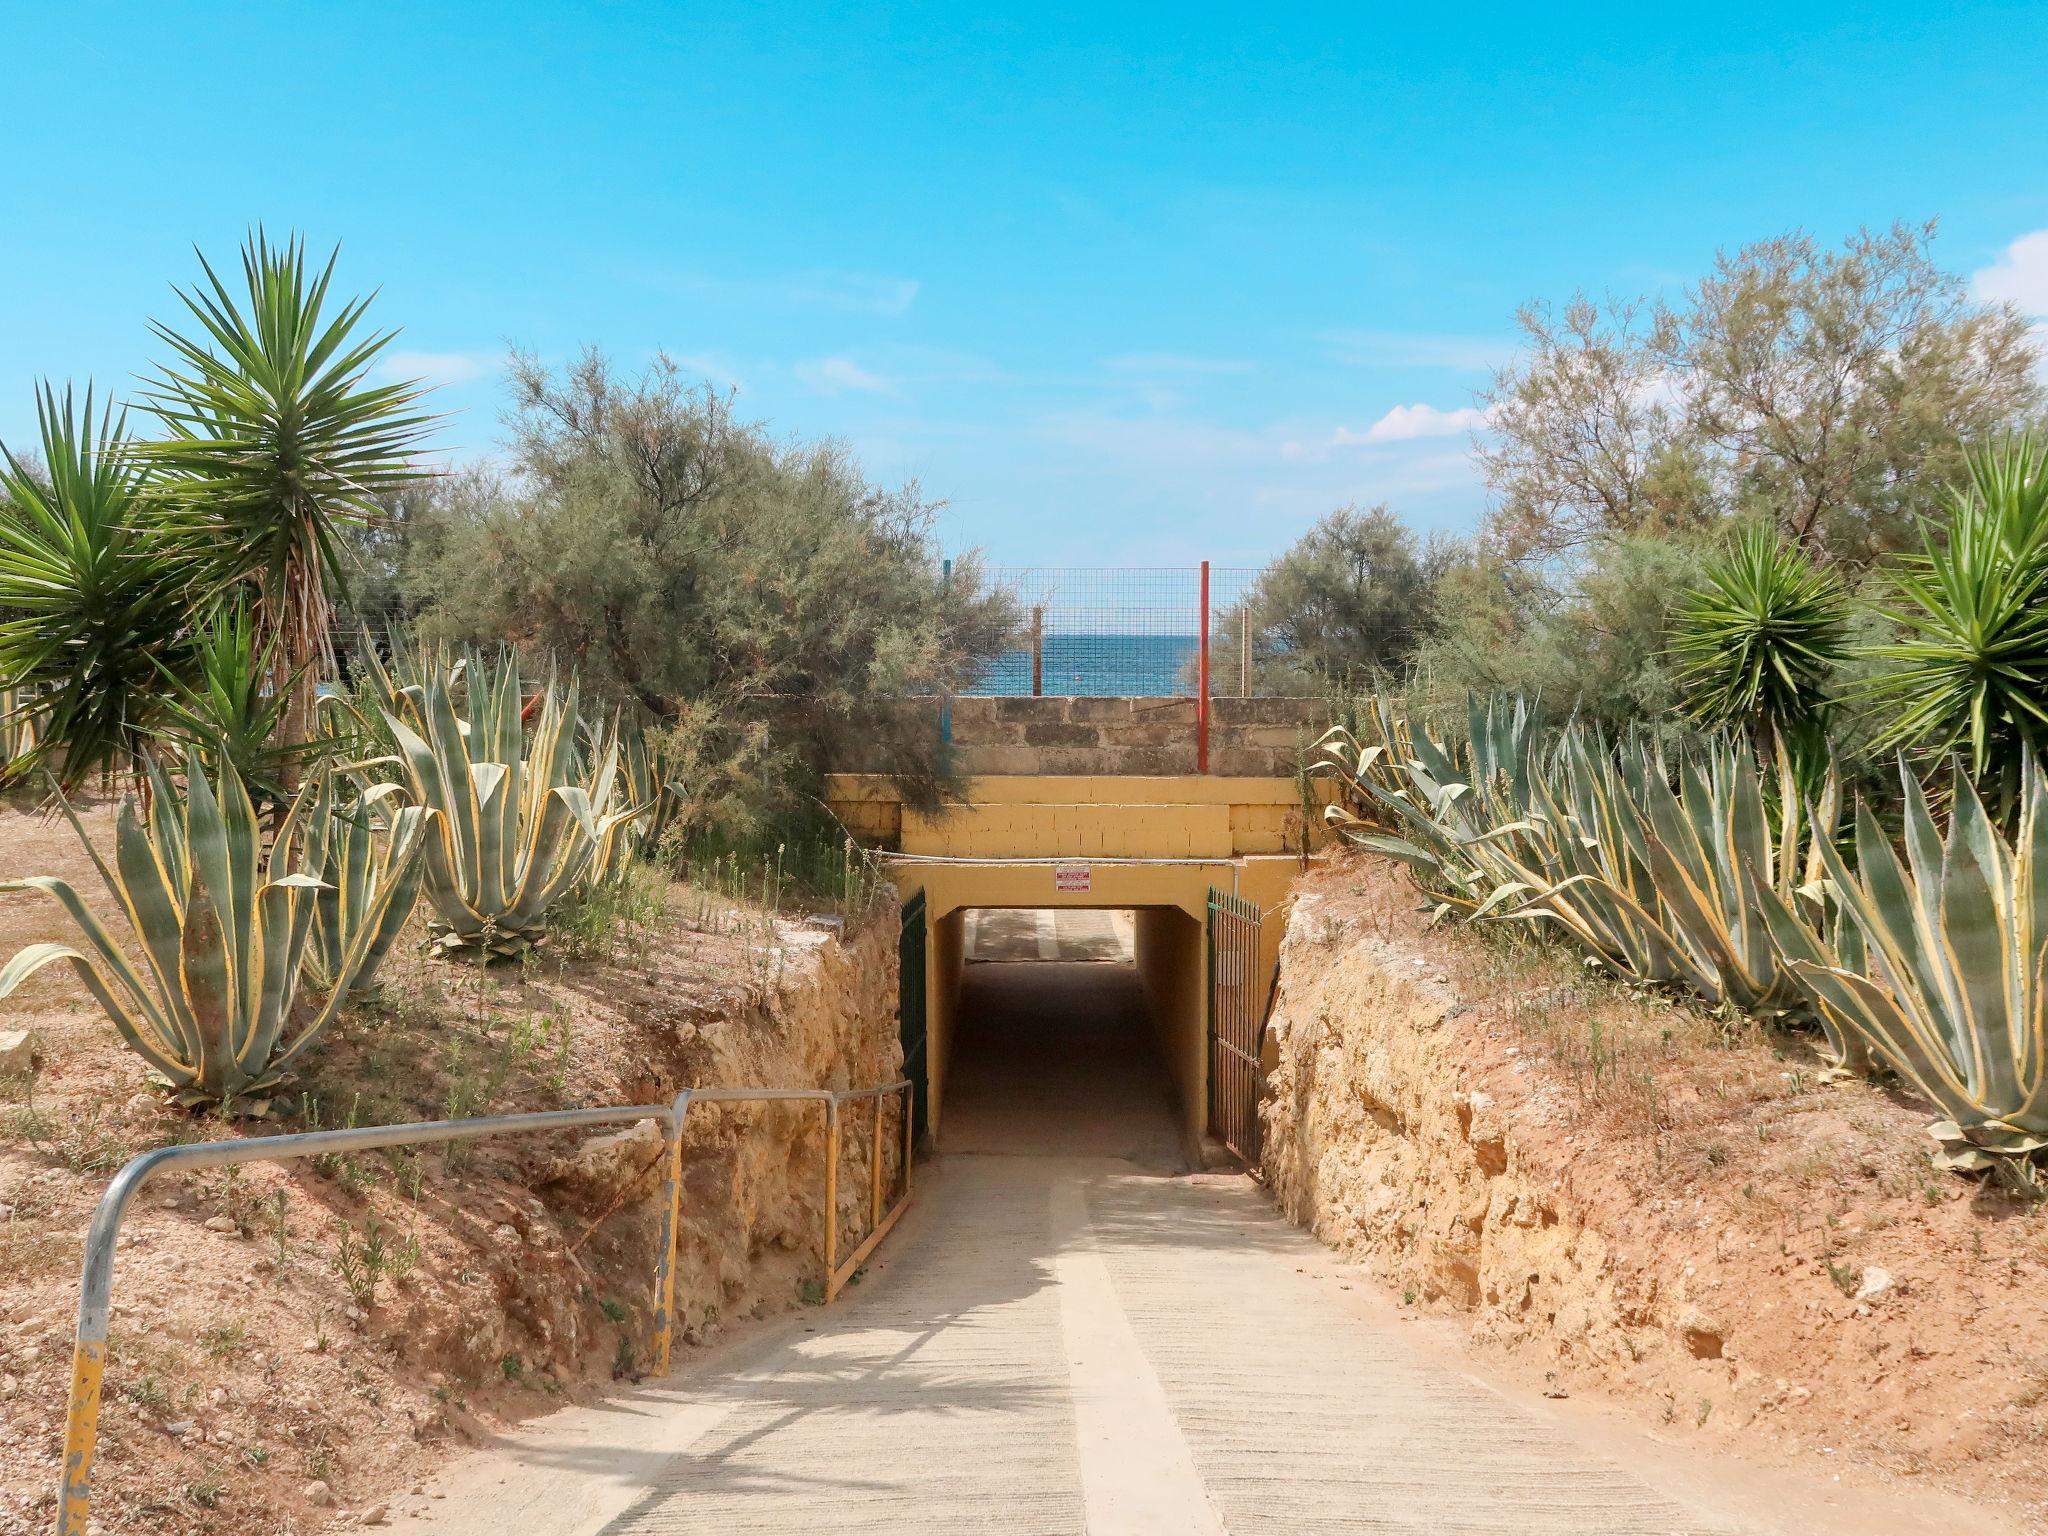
pixel 1171 960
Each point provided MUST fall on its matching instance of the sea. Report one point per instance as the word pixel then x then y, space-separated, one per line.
pixel 1134 666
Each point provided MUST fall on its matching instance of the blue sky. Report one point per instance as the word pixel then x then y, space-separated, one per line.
pixel 1120 285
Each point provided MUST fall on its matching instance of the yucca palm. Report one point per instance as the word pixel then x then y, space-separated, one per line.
pixel 1971 674
pixel 222 925
pixel 97 588
pixel 275 435
pixel 1759 643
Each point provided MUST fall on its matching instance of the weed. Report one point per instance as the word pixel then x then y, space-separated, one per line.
pixel 256 1455
pixel 1848 1279
pixel 362 1262
pixel 224 1340
pixel 280 1232
pixel 613 1309
pixel 811 1293
pixel 207 1491
pixel 1705 1409
pixel 623 1364
pixel 512 1368
pixel 1408 1296
pixel 1716 1154
pixel 146 1392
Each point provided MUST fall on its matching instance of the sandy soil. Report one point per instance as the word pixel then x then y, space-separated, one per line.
pixel 1630 1199
pixel 250 1389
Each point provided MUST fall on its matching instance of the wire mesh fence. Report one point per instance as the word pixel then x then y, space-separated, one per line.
pixel 1130 632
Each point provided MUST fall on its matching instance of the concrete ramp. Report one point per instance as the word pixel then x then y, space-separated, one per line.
pixel 1065 1346
pixel 1067 1334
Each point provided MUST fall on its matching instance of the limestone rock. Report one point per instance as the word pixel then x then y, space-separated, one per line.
pixel 19 1052
pixel 605 1164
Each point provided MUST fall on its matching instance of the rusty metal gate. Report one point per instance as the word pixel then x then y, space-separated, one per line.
pixel 1237 1018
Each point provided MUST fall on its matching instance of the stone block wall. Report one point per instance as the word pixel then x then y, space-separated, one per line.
pixel 1252 738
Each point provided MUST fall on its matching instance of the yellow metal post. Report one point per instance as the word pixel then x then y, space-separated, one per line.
pixel 875 1166
pixel 831 1193
pixel 81 1430
pixel 671 1239
pixel 909 1127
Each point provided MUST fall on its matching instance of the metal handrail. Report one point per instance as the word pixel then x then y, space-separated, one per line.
pixel 96 1282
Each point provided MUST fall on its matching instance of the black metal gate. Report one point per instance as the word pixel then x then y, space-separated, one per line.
pixel 1237 1017
pixel 910 1012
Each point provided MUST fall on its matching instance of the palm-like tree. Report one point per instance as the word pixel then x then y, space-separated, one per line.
pixel 97 589
pixel 1758 643
pixel 275 436
pixel 1970 674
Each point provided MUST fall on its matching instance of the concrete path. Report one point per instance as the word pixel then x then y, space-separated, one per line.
pixel 1061 1343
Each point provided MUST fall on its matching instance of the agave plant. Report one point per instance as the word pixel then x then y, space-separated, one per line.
pixel 1710 847
pixel 373 861
pixel 1971 674
pixel 223 929
pixel 524 818
pixel 1956 940
pixel 651 782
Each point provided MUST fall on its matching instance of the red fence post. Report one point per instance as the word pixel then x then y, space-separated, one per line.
pixel 1202 683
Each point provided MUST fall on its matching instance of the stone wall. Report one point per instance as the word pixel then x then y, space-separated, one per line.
pixel 1253 738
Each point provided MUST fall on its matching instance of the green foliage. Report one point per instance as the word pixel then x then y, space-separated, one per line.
pixel 224 701
pixel 1827 391
pixel 523 818
pixel 1970 674
pixel 1758 643
pixel 1590 636
pixel 96 591
pixel 1591 840
pixel 1956 935
pixel 275 437
pixel 222 925
pixel 751 598
pixel 1343 605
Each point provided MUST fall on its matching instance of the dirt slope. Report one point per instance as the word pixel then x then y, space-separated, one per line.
pixel 252 1387
pixel 1630 1197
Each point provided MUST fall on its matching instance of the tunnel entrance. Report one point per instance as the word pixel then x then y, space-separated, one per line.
pixel 1056 1051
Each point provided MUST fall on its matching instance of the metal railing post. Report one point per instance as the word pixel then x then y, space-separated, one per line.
pixel 909 1123
pixel 831 1194
pixel 671 1237
pixel 875 1167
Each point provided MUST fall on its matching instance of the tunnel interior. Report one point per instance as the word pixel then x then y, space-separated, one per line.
pixel 1070 1031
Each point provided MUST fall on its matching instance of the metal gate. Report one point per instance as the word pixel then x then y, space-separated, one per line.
pixel 910 1012
pixel 1236 1021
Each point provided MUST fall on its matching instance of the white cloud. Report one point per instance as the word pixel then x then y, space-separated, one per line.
pixel 1406 423
pixel 837 374
pixel 1420 349
pixel 2019 275
pixel 437 367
